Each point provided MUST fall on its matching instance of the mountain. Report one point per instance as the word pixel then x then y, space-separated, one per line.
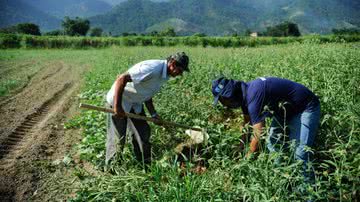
pixel 213 17
pixel 71 8
pixel 48 13
pixel 18 11
pixel 180 26
pixel 114 2
pixel 320 15
pixel 222 17
pixel 117 2
pixel 209 16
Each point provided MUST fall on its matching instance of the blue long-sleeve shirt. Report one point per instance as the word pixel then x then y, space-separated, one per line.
pixel 262 98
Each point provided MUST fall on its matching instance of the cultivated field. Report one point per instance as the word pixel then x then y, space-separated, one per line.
pixel 75 169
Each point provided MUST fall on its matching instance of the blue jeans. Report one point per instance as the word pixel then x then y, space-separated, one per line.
pixel 302 129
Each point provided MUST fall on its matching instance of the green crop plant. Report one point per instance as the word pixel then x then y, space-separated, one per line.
pixel 331 70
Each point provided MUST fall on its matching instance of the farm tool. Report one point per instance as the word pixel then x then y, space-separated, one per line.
pixel 197 135
pixel 184 150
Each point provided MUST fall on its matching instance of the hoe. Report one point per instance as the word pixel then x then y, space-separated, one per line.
pixel 184 150
pixel 197 135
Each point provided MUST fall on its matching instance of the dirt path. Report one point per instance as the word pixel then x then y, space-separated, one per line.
pixel 31 127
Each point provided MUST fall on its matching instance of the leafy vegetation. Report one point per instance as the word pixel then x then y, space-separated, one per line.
pixel 28 28
pixel 96 31
pixel 348 31
pixel 75 27
pixel 330 70
pixel 54 33
pixel 27 41
pixel 283 29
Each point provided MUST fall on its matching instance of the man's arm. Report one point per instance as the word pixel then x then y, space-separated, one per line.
pixel 244 137
pixel 246 119
pixel 258 128
pixel 150 106
pixel 119 89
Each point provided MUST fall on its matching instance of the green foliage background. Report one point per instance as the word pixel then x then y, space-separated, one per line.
pixel 330 70
pixel 30 42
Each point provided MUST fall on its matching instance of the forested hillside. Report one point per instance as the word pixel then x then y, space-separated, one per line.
pixel 219 17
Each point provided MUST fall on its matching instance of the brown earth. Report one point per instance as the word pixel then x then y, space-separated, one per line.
pixel 32 133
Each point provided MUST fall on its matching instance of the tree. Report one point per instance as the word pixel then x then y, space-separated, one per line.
pixel 199 35
pixel 247 32
pixel 75 27
pixel 293 29
pixel 168 32
pixel 283 29
pixel 8 30
pixel 154 33
pixel 28 28
pixel 54 33
pixel 96 31
pixel 234 34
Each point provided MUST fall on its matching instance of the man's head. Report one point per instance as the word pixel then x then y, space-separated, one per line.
pixel 177 64
pixel 227 92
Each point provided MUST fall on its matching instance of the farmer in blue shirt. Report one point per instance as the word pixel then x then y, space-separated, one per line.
pixel 290 104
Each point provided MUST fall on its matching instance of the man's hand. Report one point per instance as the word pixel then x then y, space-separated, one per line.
pixel 245 132
pixel 243 141
pixel 119 112
pixel 150 106
pixel 158 119
pixel 249 155
pixel 258 128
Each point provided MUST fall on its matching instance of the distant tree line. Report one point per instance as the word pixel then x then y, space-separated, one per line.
pixel 71 27
pixel 81 27
pixel 27 41
pixel 170 32
pixel 76 27
pixel 346 31
pixel 284 29
pixel 22 28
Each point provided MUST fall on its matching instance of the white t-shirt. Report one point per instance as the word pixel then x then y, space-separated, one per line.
pixel 147 78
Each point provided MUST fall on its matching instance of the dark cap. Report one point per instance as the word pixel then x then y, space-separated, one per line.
pixel 223 87
pixel 181 59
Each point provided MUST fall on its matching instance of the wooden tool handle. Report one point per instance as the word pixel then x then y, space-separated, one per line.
pixel 136 116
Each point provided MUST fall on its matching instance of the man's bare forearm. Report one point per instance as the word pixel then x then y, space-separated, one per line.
pixel 258 128
pixel 246 119
pixel 245 135
pixel 120 84
pixel 150 106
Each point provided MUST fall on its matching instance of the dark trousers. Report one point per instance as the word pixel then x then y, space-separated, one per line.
pixel 144 131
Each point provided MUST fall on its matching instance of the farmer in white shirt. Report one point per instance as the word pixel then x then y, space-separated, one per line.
pixel 128 93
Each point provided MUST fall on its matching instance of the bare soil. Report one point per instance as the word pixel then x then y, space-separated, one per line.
pixel 32 133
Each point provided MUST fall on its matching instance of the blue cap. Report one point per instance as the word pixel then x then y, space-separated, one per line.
pixel 222 87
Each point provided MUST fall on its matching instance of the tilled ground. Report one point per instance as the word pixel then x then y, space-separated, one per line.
pixel 31 127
